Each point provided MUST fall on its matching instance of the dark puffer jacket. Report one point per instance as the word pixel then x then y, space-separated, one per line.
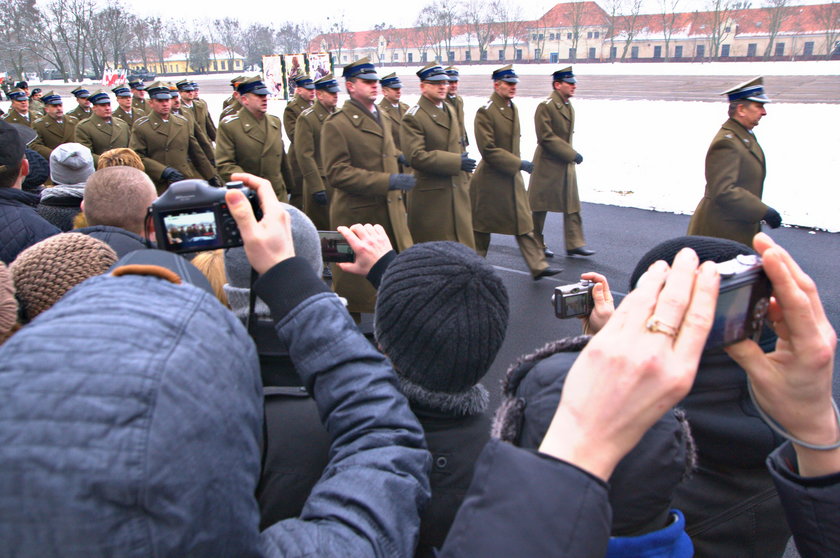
pixel 20 224
pixel 121 240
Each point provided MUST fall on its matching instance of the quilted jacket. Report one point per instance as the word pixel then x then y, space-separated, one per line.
pixel 20 224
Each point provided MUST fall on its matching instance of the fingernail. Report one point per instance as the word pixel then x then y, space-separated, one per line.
pixel 708 268
pixel 658 265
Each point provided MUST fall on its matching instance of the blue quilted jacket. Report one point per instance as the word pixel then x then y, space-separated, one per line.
pixel 20 224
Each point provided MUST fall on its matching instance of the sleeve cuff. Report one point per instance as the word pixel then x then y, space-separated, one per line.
pixel 287 284
pixel 375 274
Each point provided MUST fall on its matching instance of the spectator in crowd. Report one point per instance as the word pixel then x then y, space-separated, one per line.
pixel 70 166
pixel 39 172
pixel 44 272
pixel 120 157
pixel 180 423
pixel 20 224
pixel 115 207
pixel 8 304
pixel 212 264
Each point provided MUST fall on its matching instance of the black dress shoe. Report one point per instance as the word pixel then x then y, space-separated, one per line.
pixel 548 252
pixel 548 272
pixel 582 251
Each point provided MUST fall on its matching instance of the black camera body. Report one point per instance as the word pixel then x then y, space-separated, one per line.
pixel 573 301
pixel 742 304
pixel 192 216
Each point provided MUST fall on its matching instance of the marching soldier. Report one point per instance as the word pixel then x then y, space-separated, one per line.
pixel 308 151
pixel 138 92
pixel 439 206
pixel 735 171
pixel 553 184
pixel 167 148
pixel 500 203
pixel 54 128
pixel 36 104
pixel 19 113
pixel 360 160
pixel 231 105
pixel 126 111
pixel 191 103
pixel 394 109
pixel 102 131
pixel 303 99
pixel 457 102
pixel 195 129
pixel 252 140
pixel 82 109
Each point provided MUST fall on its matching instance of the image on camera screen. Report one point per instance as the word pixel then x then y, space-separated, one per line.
pixel 334 248
pixel 576 304
pixel 730 317
pixel 191 229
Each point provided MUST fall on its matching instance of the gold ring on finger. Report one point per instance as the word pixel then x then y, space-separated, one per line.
pixel 655 325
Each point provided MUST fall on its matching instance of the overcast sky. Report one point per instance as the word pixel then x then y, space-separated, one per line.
pixel 402 14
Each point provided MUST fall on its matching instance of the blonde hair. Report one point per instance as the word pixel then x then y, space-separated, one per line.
pixel 212 265
pixel 120 157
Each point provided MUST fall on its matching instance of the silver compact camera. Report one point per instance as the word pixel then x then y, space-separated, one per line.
pixel 742 303
pixel 573 301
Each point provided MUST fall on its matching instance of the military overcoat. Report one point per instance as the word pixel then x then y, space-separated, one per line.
pixel 500 203
pixel 99 136
pixel 735 170
pixel 293 110
pixel 141 104
pixel 457 104
pixel 395 115
pixel 359 157
pixel 553 184
pixel 169 144
pixel 439 206
pixel 200 135
pixel 51 134
pixel 37 106
pixel 14 117
pixel 310 161
pixel 79 113
pixel 129 119
pixel 203 118
pixel 231 109
pixel 244 144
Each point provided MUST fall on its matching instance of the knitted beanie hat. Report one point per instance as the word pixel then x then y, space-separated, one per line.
pixel 71 163
pixel 45 271
pixel 441 317
pixel 39 170
pixel 707 248
pixel 8 302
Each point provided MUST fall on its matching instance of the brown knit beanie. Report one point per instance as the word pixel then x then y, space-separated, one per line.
pixel 45 271
pixel 8 302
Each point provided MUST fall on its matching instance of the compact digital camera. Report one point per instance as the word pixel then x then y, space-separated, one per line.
pixel 742 303
pixel 573 301
pixel 192 216
pixel 334 248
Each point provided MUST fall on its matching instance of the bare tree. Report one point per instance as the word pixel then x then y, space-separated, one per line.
pixel 538 37
pixel 439 19
pixel 509 22
pixel 426 34
pixel 778 11
pixel 576 13
pixel 337 35
pixel 20 17
pixel 629 24
pixel 116 25
pixel 828 16
pixel 257 41
pixel 296 37
pixel 199 55
pixel 404 39
pixel 228 31
pixel 612 23
pixel 158 40
pixel 669 22
pixel 478 17
pixel 718 21
pixel 142 40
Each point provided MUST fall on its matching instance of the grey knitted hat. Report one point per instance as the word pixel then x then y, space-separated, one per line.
pixel 71 163
pixel 441 317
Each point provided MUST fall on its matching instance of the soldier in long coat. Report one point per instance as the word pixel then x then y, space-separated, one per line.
pixel 553 184
pixel 82 109
pixel 735 170
pixel 126 111
pixel 439 205
pixel 303 99
pixel 394 109
pixel 308 152
pixel 252 141
pixel 138 95
pixel 457 103
pixel 19 112
pixel 102 131
pixel 202 113
pixel 36 103
pixel 197 131
pixel 500 203
pixel 54 128
pixel 164 143
pixel 361 164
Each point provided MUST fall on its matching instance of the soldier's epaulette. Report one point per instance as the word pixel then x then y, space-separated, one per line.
pixel 307 111
pixel 141 120
pixel 184 118
pixel 488 104
pixel 229 118
pixel 548 101
pixel 41 119
pixel 413 110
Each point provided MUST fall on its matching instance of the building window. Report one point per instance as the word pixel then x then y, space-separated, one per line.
pixel 724 51
pixel 344 58
pixel 551 36
pixel 468 55
pixel 423 57
pixel 701 51
pixel 569 36
pixel 592 54
pixel 215 66
pixel 484 55
pixel 634 52
pixel 451 55
pixel 541 37
pixel 518 54
pixel 411 57
pixel 224 65
pixel 613 52
pixel 501 54
pixel 553 57
pixel 809 48
pixel 572 53
pixel 727 29
pixel 537 53
pixel 678 51
pixel 752 48
pixel 395 56
pixel 589 34
pixel 534 37
pixel 780 49
pixel 597 34
pixel 657 52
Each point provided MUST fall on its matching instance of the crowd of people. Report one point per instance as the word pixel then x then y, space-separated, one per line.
pixel 230 406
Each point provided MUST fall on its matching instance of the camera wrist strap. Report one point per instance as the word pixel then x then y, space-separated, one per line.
pixel 251 324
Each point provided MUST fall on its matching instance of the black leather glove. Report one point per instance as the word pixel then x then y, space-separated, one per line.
pixel 171 175
pixel 578 159
pixel 401 182
pixel 772 218
pixel 467 164
pixel 527 166
pixel 402 160
pixel 215 182
pixel 320 197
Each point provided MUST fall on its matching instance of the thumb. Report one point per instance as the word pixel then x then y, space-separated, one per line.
pixel 241 212
pixel 747 354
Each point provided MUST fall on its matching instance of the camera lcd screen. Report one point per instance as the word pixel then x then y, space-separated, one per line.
pixel 334 248
pixel 191 230
pixel 576 304
pixel 730 317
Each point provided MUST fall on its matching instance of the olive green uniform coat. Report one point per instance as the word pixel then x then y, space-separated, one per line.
pixel 141 104
pixel 129 119
pixel 99 136
pixel 457 104
pixel 245 144
pixel 202 117
pixel 293 110
pixel 169 144
pixel 553 184
pixel 395 115
pixel 200 135
pixel 37 106
pixel 439 206
pixel 359 157
pixel 735 170
pixel 14 117
pixel 79 113
pixel 232 108
pixel 51 134
pixel 310 161
pixel 501 203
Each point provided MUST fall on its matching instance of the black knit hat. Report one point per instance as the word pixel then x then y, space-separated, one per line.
pixel 441 317
pixel 39 171
pixel 707 248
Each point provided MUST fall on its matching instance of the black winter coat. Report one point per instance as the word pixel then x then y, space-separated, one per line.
pixel 20 224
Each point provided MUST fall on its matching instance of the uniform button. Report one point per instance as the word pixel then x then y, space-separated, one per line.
pixel 441 462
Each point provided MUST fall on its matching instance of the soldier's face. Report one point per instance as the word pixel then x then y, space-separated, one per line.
pixel 453 87
pixel 125 103
pixel 138 93
pixel 21 106
pixel 751 113
pixel 393 95
pixel 256 104
pixel 84 103
pixel 435 91
pixel 304 93
pixel 504 89
pixel 566 90
pixel 36 96
pixel 161 106
pixel 363 90
pixel 103 110
pixel 176 102
pixel 56 111
pixel 329 100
